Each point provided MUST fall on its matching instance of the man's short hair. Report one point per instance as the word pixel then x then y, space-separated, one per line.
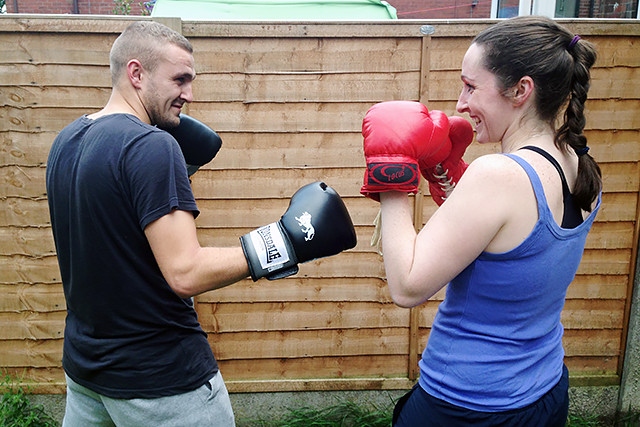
pixel 143 40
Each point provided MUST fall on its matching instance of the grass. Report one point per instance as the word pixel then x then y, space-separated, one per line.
pixel 628 420
pixel 343 414
pixel 350 414
pixel 16 410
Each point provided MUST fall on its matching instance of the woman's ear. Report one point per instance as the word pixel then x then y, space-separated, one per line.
pixel 522 90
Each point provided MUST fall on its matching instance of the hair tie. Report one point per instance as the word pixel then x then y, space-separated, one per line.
pixel 581 151
pixel 573 42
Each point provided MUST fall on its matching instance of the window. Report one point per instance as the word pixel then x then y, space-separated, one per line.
pixel 566 8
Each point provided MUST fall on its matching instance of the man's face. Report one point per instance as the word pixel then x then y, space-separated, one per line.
pixel 169 87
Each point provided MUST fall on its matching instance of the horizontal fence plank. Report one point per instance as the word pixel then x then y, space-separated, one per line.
pixel 374 366
pixel 34 241
pixel 38 380
pixel 30 181
pixel 445 85
pixel 304 316
pixel 300 344
pixel 27 325
pixel 615 51
pixel 41 48
pixel 307 54
pixel 618 207
pixel 15 298
pixel 300 116
pixel 43 353
pixel 24 211
pixel 307 87
pixel 23 181
pixel 282 183
pixel 593 314
pixel 612 261
pixel 257 212
pixel 37 23
pixel 295 288
pixel 287 150
pixel 598 286
pixel 271 150
pixel 593 342
pixel 29 270
pixel 591 365
pixel 319 384
pixel 25 148
pixel 611 235
pixel 56 75
pixel 32 95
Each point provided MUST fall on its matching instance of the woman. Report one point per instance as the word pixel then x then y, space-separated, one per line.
pixel 506 240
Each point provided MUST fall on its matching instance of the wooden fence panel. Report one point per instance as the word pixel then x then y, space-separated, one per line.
pixel 288 101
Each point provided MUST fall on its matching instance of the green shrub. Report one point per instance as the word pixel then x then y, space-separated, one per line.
pixel 16 410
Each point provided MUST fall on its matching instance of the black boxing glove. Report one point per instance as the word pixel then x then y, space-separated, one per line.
pixel 316 225
pixel 198 142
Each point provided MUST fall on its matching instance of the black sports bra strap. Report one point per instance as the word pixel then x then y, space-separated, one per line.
pixel 565 187
pixel 572 216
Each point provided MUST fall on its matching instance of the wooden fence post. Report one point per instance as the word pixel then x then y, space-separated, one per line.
pixel 414 315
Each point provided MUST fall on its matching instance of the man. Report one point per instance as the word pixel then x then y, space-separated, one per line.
pixel 123 219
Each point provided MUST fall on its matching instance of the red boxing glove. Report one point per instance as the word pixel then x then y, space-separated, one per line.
pixel 397 134
pixel 444 176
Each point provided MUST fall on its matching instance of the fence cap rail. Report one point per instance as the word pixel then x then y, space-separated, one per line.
pixel 114 24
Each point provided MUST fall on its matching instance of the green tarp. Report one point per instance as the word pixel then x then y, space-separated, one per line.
pixel 275 10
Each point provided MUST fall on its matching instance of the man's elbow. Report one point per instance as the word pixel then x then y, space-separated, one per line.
pixel 181 284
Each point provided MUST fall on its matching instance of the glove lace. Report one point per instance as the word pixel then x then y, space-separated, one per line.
pixel 445 182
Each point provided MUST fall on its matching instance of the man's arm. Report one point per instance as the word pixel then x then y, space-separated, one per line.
pixel 189 268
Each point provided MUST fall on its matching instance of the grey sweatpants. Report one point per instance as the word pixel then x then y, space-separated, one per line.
pixel 208 405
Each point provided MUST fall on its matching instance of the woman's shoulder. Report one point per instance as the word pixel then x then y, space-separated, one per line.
pixel 493 178
pixel 495 167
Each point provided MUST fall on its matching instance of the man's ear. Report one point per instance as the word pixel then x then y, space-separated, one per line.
pixel 522 90
pixel 134 72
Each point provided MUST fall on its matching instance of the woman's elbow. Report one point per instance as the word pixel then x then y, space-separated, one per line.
pixel 403 298
pixel 408 294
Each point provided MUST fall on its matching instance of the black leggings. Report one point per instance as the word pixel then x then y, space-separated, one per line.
pixel 419 409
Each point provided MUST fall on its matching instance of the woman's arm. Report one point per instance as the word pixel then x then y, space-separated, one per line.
pixel 486 198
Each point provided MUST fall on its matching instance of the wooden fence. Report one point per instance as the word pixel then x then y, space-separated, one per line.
pixel 288 100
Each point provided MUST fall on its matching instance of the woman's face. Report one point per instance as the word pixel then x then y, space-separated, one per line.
pixel 482 98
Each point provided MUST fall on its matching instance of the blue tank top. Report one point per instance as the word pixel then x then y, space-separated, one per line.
pixel 496 341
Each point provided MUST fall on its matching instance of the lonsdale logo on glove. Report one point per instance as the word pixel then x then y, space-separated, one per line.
pixel 269 246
